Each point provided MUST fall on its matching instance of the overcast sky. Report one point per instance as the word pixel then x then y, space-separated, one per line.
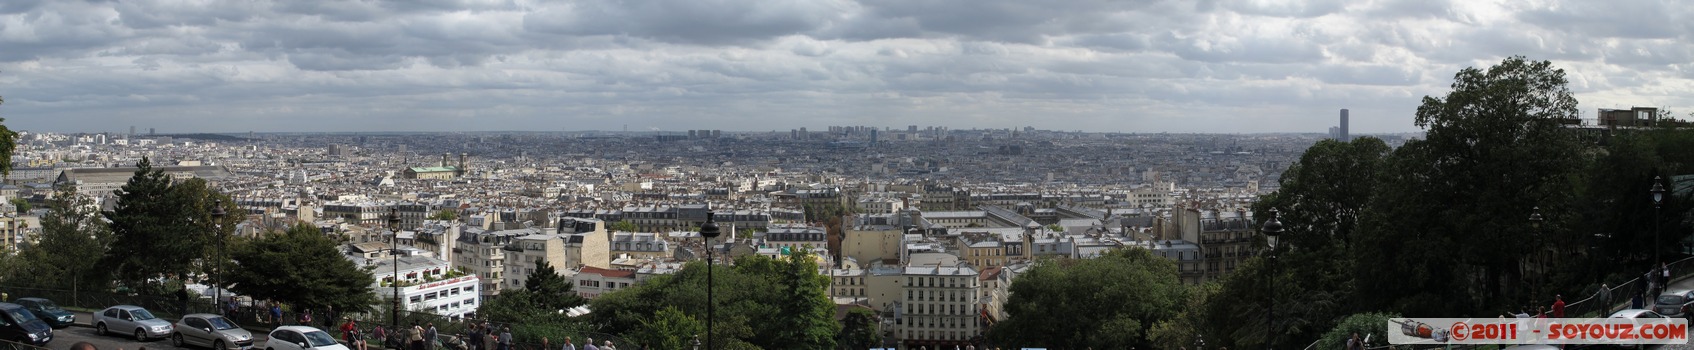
pixel 1094 65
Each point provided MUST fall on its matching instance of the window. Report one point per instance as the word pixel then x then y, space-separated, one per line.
pixel 417 299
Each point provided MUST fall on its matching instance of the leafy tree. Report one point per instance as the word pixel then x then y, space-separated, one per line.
pixel 623 225
pixel 1319 201
pixel 145 225
pixel 859 329
pixel 551 291
pixel 21 204
pixel 445 214
pixel 1373 325
pixel 1446 232
pixel 669 329
pixel 71 232
pixel 759 303
pixel 302 267
pixel 1109 302
pixel 8 145
pixel 1189 324
pixel 1055 228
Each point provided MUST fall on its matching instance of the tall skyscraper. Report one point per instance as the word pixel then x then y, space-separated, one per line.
pixel 1342 131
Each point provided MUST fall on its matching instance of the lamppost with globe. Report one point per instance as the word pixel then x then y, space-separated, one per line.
pixel 393 250
pixel 1272 228
pixel 708 231
pixel 1658 203
pixel 217 269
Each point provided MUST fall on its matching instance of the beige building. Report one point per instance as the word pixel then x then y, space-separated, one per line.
pixel 526 254
pixel 591 282
pixel 871 243
pixel 586 243
pixel 483 253
pixel 639 245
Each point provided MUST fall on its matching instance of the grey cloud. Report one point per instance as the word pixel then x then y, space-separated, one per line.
pixel 686 21
pixel 1633 19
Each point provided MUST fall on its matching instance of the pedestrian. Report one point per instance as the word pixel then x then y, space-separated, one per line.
pixel 416 336
pixel 505 338
pixel 490 336
pixel 357 340
pixel 1558 306
pixel 1354 343
pixel 568 345
pixel 608 346
pixel 382 336
pixel 1652 279
pixel 474 339
pixel 430 337
pixel 276 313
pixel 589 345
pixel 348 328
pixel 306 317
pixel 544 344
pixel 1605 298
pixel 1664 269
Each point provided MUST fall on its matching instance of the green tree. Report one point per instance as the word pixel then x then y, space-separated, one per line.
pixel 1373 325
pixel 21 204
pixel 71 231
pixel 1055 228
pixel 8 145
pixel 669 329
pixel 1189 323
pixel 551 291
pixel 623 225
pixel 445 214
pixel 145 225
pixel 1074 304
pixel 759 303
pixel 859 330
pixel 1446 233
pixel 302 267
pixel 1320 200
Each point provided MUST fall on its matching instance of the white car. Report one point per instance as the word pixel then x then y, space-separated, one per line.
pixel 301 338
pixel 130 319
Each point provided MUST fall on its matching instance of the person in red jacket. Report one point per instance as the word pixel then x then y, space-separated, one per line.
pixel 1559 306
pixel 347 330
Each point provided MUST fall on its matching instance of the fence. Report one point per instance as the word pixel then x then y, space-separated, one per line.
pixel 1622 294
pixel 11 345
pixel 257 317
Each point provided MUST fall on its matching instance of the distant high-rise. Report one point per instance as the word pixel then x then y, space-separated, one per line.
pixel 151 132
pixel 1342 131
pixel 132 131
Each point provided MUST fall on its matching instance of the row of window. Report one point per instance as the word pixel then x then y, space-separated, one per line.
pixel 938 282
pixel 945 322
pixel 935 295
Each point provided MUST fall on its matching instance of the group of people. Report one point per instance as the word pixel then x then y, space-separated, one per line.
pixel 1557 310
pixel 480 336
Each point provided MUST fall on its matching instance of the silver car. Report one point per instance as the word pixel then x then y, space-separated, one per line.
pixel 212 331
pixel 133 320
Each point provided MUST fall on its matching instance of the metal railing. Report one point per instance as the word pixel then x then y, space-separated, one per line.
pixel 12 345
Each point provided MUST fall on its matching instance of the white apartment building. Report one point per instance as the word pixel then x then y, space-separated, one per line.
pixel 426 284
pixel 940 307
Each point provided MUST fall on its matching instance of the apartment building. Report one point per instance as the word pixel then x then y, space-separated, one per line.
pixel 940 307
pixel 793 237
pixel 640 245
pixel 590 282
pixel 482 253
pixel 526 254
pixel 586 243
pixel 425 284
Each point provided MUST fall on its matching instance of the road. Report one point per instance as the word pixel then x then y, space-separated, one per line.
pixel 83 331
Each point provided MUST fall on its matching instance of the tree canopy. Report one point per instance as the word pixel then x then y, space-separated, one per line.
pixel 71 231
pixel 760 303
pixel 1108 302
pixel 302 267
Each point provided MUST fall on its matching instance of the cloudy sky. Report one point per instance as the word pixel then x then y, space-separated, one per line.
pixel 1099 65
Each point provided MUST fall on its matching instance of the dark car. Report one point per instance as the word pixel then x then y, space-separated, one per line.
pixel 19 325
pixel 48 312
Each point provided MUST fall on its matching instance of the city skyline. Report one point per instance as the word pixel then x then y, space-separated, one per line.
pixel 755 65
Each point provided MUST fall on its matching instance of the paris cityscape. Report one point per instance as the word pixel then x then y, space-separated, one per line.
pixel 844 174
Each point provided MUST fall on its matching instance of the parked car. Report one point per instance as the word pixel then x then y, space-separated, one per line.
pixel 132 319
pixel 212 331
pixel 301 338
pixel 1671 303
pixel 48 312
pixel 1637 314
pixel 19 325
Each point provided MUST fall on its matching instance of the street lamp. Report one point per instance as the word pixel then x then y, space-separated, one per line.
pixel 1658 202
pixel 1535 223
pixel 708 231
pixel 1271 229
pixel 393 245
pixel 217 270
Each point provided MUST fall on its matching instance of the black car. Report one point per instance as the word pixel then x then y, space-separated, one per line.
pixel 19 325
pixel 47 311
